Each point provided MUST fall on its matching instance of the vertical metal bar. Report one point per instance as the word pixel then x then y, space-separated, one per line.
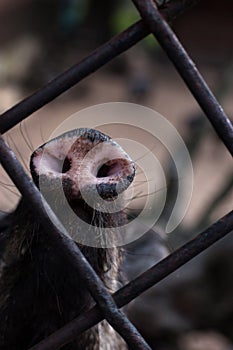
pixel 187 70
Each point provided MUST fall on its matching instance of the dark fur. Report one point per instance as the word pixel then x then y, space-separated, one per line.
pixel 40 291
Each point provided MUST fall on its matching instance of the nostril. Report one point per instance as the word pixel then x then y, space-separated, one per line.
pixel 79 161
pixel 66 166
pixel 109 168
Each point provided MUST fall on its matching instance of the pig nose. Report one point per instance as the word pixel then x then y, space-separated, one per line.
pixel 82 160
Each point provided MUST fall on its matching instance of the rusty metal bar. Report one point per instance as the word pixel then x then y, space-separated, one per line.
pixel 106 306
pixel 84 68
pixel 65 244
pixel 142 283
pixel 187 69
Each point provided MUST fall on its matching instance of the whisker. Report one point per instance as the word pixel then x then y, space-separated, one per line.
pixel 13 192
pixel 18 152
pixel 41 134
pixel 6 184
pixel 26 138
pixel 142 156
pixel 147 194
pixel 139 183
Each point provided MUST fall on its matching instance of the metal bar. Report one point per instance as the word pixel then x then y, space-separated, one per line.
pixel 178 258
pixel 142 283
pixel 84 68
pixel 187 69
pixel 71 252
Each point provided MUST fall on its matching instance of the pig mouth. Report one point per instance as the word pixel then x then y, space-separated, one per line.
pixel 87 164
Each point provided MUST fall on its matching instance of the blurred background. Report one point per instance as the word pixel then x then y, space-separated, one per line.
pixel 193 308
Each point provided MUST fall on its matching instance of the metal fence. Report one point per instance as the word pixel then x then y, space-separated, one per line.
pixel 108 306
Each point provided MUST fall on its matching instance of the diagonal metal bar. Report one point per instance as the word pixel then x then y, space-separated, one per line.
pixel 71 252
pixel 84 68
pixel 187 69
pixel 142 283
pixel 107 308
